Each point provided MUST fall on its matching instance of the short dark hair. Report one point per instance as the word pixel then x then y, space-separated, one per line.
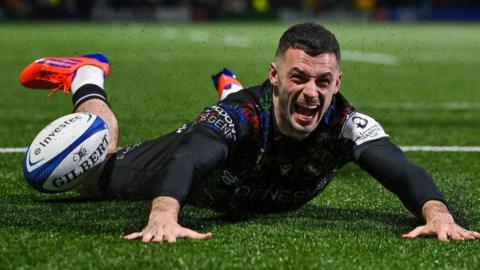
pixel 312 38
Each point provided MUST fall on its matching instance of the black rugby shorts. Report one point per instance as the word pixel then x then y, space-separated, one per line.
pixel 131 172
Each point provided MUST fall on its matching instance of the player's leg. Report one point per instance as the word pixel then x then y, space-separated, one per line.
pixel 89 96
pixel 100 108
pixel 83 77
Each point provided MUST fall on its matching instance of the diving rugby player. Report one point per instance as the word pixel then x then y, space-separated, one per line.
pixel 271 147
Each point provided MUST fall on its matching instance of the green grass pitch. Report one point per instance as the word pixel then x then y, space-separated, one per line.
pixel 421 82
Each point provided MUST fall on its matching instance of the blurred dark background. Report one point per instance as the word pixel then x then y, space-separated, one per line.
pixel 203 10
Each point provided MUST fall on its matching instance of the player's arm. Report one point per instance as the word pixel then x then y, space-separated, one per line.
pixel 389 165
pixel 414 187
pixel 200 152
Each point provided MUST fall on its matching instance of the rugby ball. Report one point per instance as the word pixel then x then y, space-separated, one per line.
pixel 64 150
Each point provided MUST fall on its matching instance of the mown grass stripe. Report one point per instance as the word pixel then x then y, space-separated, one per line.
pixel 374 58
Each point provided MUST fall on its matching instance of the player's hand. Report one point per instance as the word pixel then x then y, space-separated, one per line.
pixel 440 223
pixel 163 225
pixel 164 230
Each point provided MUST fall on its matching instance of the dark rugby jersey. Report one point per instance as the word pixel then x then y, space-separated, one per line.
pixel 265 171
pixel 233 158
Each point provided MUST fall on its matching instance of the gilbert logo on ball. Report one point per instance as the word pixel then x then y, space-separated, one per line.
pixel 64 150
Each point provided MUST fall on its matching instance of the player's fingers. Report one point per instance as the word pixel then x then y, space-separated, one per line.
pixel 456 236
pixel 467 235
pixel 418 231
pixel 189 234
pixel 133 236
pixel 157 238
pixel 476 234
pixel 442 234
pixel 147 237
pixel 170 238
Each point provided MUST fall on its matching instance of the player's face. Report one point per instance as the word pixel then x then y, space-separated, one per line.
pixel 303 89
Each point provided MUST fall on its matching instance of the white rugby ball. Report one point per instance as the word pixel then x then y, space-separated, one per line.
pixel 64 150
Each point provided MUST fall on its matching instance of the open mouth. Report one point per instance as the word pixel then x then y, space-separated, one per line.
pixel 306 112
pixel 306 109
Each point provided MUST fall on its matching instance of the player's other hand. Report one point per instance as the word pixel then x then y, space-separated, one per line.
pixel 440 223
pixel 163 226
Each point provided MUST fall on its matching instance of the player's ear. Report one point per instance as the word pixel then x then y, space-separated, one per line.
pixel 273 74
pixel 338 82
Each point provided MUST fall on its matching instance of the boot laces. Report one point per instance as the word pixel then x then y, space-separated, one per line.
pixel 60 79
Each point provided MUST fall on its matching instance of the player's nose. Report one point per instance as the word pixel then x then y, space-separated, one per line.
pixel 311 90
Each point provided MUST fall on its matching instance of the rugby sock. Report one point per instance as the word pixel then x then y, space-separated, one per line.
pixel 87 92
pixel 88 84
pixel 87 75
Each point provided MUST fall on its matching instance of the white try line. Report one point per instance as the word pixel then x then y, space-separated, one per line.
pixel 13 150
pixel 410 148
pixel 414 148
pixel 409 106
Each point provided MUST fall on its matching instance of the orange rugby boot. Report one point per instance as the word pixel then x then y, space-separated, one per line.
pixel 58 72
pixel 226 83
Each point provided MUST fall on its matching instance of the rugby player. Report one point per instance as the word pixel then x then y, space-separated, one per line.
pixel 271 147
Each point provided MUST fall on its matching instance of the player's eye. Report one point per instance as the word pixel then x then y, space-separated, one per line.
pixel 298 79
pixel 323 83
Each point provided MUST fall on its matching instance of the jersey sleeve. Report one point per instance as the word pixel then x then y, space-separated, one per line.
pixel 374 153
pixel 389 165
pixel 363 131
pixel 231 122
pixel 200 152
pixel 204 146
